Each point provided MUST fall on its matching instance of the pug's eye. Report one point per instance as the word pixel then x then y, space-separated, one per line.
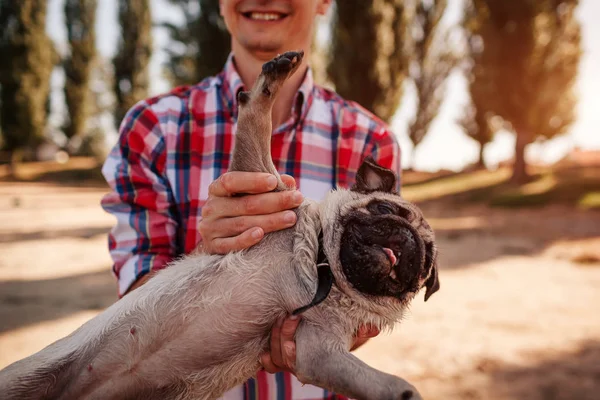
pixel 385 208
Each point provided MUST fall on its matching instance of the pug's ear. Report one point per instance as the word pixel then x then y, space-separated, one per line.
pixel 432 284
pixel 373 178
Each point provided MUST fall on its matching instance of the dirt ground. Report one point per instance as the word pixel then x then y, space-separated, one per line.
pixel 517 316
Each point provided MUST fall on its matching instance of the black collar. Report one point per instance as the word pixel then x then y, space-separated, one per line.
pixel 325 280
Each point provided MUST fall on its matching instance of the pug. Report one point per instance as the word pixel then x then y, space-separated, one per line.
pixel 198 327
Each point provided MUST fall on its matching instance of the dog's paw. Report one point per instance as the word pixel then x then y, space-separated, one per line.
pixel 283 63
pixel 409 395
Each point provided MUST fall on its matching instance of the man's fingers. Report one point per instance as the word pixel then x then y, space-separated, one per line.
pixel 288 328
pixel 367 331
pixel 234 182
pixel 288 345
pixel 289 181
pixel 283 347
pixel 363 334
pixel 276 356
pixel 267 363
pixel 236 243
pixel 259 204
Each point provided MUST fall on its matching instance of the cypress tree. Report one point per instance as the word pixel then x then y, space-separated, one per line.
pixel 28 57
pixel 80 16
pixel 535 48
pixel 199 47
pixel 368 60
pixel 133 55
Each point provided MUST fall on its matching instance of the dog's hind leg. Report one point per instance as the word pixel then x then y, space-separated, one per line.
pixel 322 360
pixel 252 150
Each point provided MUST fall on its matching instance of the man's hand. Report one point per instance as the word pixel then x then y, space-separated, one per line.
pixel 236 223
pixel 282 355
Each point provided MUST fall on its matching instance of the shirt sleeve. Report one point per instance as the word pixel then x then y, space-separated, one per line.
pixel 143 238
pixel 385 150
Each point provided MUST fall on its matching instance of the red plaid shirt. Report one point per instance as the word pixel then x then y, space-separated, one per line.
pixel 171 147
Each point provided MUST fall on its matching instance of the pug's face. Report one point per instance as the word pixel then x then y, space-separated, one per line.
pixel 378 243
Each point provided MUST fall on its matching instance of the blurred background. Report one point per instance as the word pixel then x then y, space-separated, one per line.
pixel 494 102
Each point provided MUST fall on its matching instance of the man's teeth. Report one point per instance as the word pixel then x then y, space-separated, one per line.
pixel 265 16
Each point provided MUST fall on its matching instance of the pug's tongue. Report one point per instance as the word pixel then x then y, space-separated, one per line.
pixel 391 255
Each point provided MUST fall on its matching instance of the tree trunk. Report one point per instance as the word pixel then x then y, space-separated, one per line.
pixel 480 164
pixel 520 174
pixel 16 157
pixel 412 164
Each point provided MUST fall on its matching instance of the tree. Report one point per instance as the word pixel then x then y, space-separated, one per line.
pixel 102 105
pixel 28 57
pixel 476 119
pixel 431 62
pixel 367 59
pixel 536 45
pixel 475 122
pixel 80 16
pixel 200 46
pixel 133 56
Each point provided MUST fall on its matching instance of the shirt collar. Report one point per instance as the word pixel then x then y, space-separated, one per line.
pixel 232 84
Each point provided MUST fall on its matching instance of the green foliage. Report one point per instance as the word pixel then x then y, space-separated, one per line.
pixel 572 188
pixel 431 62
pixel 530 53
pixel 28 57
pixel 133 56
pixel 80 16
pixel 368 61
pixel 200 46
pixel 590 200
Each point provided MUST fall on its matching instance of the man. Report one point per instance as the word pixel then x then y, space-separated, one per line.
pixel 171 193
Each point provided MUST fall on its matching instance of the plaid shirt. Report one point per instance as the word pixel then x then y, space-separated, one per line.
pixel 172 146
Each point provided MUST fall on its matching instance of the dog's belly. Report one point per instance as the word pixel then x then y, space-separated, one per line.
pixel 211 331
pixel 195 330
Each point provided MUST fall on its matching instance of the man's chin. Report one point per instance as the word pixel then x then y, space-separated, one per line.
pixel 264 50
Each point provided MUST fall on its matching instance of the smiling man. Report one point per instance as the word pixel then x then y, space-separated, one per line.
pixel 170 191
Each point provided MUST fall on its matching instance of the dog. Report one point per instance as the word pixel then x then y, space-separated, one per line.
pixel 197 328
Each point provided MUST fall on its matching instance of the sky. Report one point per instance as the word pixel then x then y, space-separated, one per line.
pixel 445 146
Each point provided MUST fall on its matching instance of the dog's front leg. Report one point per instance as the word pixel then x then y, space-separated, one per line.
pixel 323 360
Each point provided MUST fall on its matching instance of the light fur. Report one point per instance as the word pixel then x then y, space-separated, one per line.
pixel 198 327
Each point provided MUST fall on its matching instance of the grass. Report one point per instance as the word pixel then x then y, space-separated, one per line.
pixel 455 185
pixel 590 201
pixel 574 187
pixel 577 187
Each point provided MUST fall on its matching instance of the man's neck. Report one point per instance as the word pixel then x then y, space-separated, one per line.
pixel 249 67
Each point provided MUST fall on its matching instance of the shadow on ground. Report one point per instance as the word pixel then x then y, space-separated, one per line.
pixel 487 233
pixel 28 302
pixel 568 376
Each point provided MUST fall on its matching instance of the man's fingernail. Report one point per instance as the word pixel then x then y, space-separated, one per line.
pixel 289 217
pixel 272 181
pixel 294 317
pixel 256 234
pixel 289 349
pixel 297 197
